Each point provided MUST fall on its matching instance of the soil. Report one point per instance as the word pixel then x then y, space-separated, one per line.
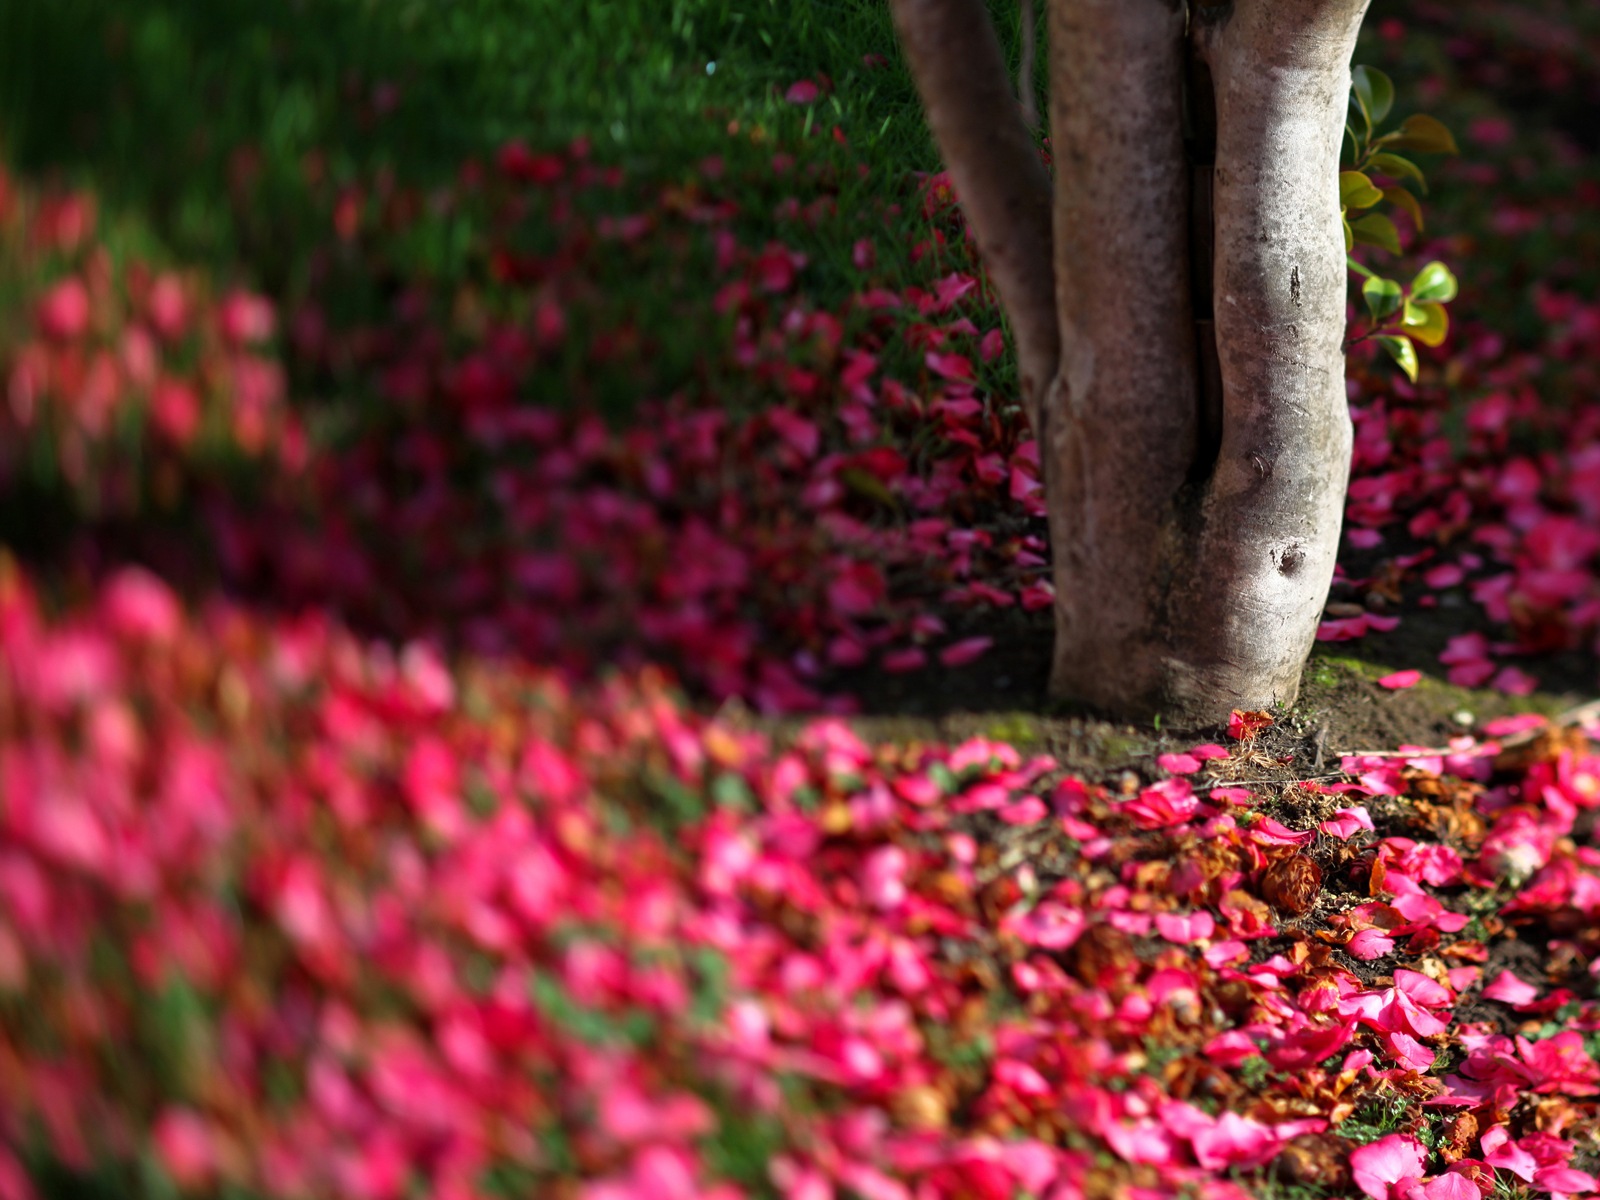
pixel 1341 708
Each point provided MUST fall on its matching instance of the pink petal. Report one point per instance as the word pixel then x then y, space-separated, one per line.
pixel 1400 679
pixel 1370 944
pixel 1408 1052
pixel 1030 810
pixel 1520 723
pixel 1450 1186
pixel 1514 682
pixel 1422 989
pixel 1209 750
pixel 1020 1078
pixel 959 653
pixel 1445 576
pixel 1272 832
pixel 1186 928
pixel 1178 764
pixel 909 659
pixel 1508 989
pixel 1342 629
pixel 1388 1160
pixel 951 366
pixel 1052 926
pixel 1344 823
pixel 1505 1155
pixel 1233 1141
pixel 1472 673
pixel 803 92
pixel 1567 1180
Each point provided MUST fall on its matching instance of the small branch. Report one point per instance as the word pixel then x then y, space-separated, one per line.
pixel 1005 192
pixel 1257 783
pixel 1025 89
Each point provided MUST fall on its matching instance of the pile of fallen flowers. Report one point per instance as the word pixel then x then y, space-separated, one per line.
pixel 129 380
pixel 840 486
pixel 286 912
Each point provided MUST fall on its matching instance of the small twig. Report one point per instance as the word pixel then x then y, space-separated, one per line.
pixel 1583 714
pixel 1275 782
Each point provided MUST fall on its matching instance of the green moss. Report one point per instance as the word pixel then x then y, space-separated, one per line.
pixel 1025 731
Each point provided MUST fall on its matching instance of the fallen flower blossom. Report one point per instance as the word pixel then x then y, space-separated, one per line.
pixel 1400 679
pixel 968 650
pixel 1508 989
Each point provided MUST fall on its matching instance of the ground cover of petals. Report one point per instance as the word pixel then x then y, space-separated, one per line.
pixel 831 491
pixel 294 914
pixel 430 661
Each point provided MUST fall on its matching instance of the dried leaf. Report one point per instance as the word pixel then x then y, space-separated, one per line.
pixel 1292 884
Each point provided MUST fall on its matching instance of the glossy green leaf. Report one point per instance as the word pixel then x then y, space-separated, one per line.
pixel 1403 352
pixel 1421 133
pixel 1400 198
pixel 1353 143
pixel 1357 191
pixel 1396 167
pixel 1428 323
pixel 1375 90
pixel 1434 284
pixel 1375 229
pixel 865 483
pixel 1349 236
pixel 1383 296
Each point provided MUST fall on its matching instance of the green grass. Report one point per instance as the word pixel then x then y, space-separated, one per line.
pixel 158 103
pixel 216 132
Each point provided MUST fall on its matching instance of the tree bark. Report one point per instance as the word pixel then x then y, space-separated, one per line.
pixel 1195 438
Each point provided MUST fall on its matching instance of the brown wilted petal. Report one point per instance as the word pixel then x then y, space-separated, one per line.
pixel 1101 955
pixel 921 1107
pixel 1316 1160
pixel 1458 1138
pixel 1292 884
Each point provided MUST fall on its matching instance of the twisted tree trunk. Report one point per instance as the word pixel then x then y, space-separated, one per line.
pixel 1185 375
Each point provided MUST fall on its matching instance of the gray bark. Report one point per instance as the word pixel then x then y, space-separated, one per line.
pixel 1196 445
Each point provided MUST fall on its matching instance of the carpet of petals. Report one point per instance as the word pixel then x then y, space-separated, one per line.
pixel 310 916
pixel 365 882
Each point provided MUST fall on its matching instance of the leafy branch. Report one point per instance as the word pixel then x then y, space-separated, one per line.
pixel 1378 173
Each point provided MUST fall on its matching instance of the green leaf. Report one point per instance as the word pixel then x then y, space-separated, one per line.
pixel 1357 191
pixel 1401 198
pixel 1383 296
pixel 1354 142
pixel 1422 133
pixel 1375 229
pixel 866 484
pixel 729 790
pixel 1403 352
pixel 1427 323
pixel 1396 167
pixel 1434 284
pixel 1375 90
pixel 1349 236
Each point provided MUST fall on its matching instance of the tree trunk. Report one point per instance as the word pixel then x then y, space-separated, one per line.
pixel 1195 436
